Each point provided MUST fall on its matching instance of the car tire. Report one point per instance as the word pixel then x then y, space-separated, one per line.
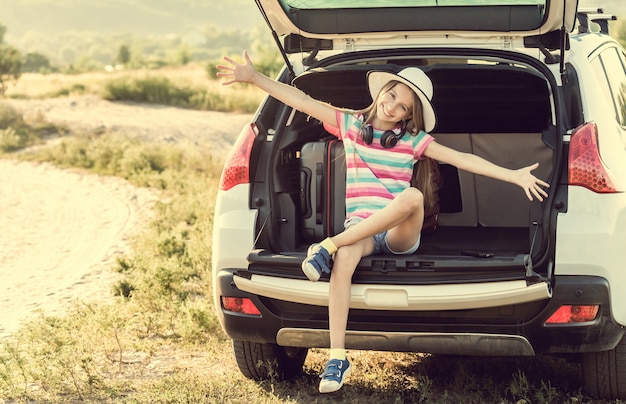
pixel 259 361
pixel 604 373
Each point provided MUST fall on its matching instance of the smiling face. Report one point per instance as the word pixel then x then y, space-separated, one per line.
pixel 393 106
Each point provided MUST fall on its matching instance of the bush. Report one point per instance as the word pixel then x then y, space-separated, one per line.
pixel 154 90
pixel 10 117
pixel 74 89
pixel 35 62
pixel 16 133
pixel 162 90
pixel 10 66
pixel 10 140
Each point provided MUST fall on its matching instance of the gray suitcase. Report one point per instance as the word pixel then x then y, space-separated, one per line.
pixel 322 189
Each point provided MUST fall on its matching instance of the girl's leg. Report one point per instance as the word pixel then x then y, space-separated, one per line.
pixel 403 218
pixel 346 260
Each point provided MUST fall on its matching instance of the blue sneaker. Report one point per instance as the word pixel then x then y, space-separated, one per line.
pixel 318 261
pixel 334 373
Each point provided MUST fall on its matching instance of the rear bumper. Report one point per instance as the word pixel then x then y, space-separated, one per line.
pixel 404 298
pixel 508 330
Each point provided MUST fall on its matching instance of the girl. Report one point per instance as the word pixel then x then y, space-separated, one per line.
pixel 384 214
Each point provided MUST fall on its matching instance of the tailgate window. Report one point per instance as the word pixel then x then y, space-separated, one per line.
pixel 328 4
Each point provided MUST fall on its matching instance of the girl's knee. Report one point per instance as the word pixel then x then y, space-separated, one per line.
pixel 347 254
pixel 412 199
pixel 346 259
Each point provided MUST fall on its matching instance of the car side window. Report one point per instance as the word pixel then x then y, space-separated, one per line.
pixel 622 58
pixel 598 69
pixel 615 71
pixel 617 81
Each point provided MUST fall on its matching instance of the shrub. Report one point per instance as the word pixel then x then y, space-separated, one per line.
pixel 154 90
pixel 16 133
pixel 74 89
pixel 10 117
pixel 10 66
pixel 162 90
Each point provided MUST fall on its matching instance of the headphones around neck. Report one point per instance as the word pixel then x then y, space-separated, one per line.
pixel 388 139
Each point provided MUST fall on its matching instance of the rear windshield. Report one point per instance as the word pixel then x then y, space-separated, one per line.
pixel 333 17
pixel 326 4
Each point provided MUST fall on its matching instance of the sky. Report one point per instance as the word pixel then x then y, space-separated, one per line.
pixel 138 17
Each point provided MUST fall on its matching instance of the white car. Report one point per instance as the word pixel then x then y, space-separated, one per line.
pixel 516 82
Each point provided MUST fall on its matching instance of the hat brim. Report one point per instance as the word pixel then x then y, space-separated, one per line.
pixel 376 81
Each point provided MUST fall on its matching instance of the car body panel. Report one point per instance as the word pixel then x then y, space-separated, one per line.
pixel 232 239
pixel 591 239
pixel 591 235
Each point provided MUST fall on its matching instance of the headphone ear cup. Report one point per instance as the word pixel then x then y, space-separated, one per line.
pixel 389 139
pixel 368 134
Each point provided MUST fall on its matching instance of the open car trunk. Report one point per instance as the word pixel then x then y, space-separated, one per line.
pixel 487 230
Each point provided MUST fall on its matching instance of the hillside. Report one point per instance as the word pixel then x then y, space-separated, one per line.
pixel 87 34
pixel 139 17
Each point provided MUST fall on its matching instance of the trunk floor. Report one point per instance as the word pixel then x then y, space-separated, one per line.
pixel 495 240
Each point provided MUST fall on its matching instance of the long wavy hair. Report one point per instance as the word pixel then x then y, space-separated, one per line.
pixel 424 174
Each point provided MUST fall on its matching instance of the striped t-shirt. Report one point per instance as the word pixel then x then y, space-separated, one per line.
pixel 375 175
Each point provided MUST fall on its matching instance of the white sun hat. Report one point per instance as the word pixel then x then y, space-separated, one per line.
pixel 417 80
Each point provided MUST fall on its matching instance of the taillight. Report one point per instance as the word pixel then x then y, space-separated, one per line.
pixel 237 166
pixel 241 305
pixel 574 314
pixel 586 168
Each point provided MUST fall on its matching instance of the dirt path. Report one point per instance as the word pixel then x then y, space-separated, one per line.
pixel 62 230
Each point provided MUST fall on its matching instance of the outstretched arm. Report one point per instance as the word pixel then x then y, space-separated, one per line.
pixel 246 73
pixel 522 177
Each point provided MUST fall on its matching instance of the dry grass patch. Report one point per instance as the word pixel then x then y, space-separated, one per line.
pixel 187 86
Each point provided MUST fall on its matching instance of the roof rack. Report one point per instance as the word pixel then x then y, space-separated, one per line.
pixel 587 15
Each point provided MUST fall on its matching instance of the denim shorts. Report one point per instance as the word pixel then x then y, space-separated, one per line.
pixel 381 246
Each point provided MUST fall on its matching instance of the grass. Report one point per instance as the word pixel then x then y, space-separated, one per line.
pixel 160 340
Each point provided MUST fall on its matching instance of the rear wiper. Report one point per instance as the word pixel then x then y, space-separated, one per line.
pixel 477 254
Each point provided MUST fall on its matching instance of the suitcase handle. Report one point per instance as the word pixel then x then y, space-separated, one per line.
pixel 319 194
pixel 305 193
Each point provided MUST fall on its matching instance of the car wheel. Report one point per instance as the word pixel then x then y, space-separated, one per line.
pixel 604 373
pixel 267 361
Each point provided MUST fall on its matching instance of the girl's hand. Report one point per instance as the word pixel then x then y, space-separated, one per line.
pixel 237 73
pixel 531 184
